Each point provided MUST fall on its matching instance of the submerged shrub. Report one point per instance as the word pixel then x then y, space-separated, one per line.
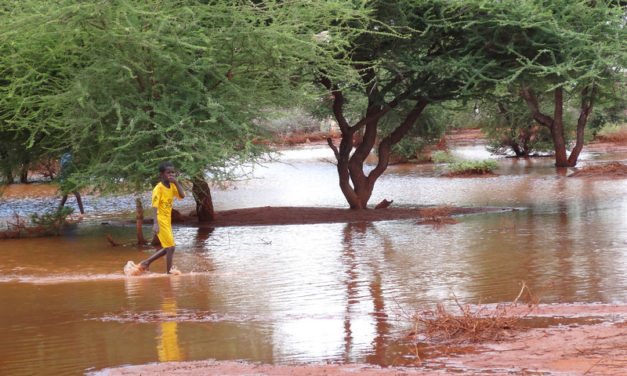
pixel 51 222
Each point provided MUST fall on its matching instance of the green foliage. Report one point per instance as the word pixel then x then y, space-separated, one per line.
pixel 52 221
pixel 441 156
pixel 610 110
pixel 474 167
pixel 124 85
pixel 575 48
pixel 611 128
pixel 509 127
pixel 428 130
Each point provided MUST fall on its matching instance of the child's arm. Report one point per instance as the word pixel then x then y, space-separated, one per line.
pixel 180 190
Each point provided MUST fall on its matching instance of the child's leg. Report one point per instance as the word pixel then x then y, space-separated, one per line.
pixel 168 259
pixel 79 201
pixel 160 253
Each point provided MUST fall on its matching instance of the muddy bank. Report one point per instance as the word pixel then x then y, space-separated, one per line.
pixel 294 215
pixel 599 349
pixel 612 170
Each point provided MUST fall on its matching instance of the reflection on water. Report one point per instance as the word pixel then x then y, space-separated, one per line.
pixel 309 293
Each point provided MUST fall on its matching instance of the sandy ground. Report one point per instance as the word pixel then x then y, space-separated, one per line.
pixel 308 215
pixel 574 349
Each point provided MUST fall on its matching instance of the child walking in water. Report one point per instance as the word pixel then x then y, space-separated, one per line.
pixel 162 196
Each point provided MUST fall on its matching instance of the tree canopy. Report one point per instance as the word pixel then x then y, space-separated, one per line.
pixel 572 50
pixel 124 85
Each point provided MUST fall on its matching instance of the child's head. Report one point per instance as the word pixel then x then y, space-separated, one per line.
pixel 164 165
pixel 166 170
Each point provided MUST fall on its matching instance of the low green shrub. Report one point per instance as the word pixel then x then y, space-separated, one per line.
pixel 474 167
pixel 51 222
pixel 441 156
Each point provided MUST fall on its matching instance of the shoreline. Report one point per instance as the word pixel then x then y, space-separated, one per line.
pixel 573 349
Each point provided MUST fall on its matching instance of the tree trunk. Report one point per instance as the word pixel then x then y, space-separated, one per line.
pixel 586 107
pixel 9 177
pixel 140 222
pixel 24 175
pixel 202 196
pixel 557 130
pixel 355 184
pixel 24 171
pixel 556 124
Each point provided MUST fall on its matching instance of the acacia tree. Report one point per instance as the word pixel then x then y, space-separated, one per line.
pixel 27 82
pixel 569 50
pixel 183 81
pixel 417 56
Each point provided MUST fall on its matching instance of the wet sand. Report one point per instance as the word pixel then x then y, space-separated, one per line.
pixel 597 349
pixel 309 215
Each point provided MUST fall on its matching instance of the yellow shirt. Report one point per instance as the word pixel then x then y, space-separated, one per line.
pixel 162 198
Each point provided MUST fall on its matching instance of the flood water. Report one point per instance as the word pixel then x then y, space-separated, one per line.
pixel 305 293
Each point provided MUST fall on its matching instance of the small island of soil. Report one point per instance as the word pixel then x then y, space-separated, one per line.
pixel 612 170
pixel 270 215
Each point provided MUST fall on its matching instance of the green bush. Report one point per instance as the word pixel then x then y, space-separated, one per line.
pixel 441 156
pixel 476 167
pixel 51 222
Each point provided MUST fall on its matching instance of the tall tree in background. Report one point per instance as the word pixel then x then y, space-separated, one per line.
pixel 141 82
pixel 568 50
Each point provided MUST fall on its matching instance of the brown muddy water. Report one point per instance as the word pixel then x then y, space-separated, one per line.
pixel 305 293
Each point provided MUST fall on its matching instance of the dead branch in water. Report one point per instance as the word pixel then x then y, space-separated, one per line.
pixel 111 241
pixel 483 323
pixel 384 204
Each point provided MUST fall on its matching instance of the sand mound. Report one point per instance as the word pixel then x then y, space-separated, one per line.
pixel 607 170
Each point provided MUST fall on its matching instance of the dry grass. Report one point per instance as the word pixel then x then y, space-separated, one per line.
pixel 472 325
pixel 440 215
pixel 609 170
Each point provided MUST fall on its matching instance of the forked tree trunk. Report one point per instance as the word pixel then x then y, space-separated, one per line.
pixel 356 186
pixel 556 124
pixel 202 196
pixel 140 222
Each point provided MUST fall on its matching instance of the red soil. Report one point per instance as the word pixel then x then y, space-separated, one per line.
pixel 612 170
pixel 307 215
